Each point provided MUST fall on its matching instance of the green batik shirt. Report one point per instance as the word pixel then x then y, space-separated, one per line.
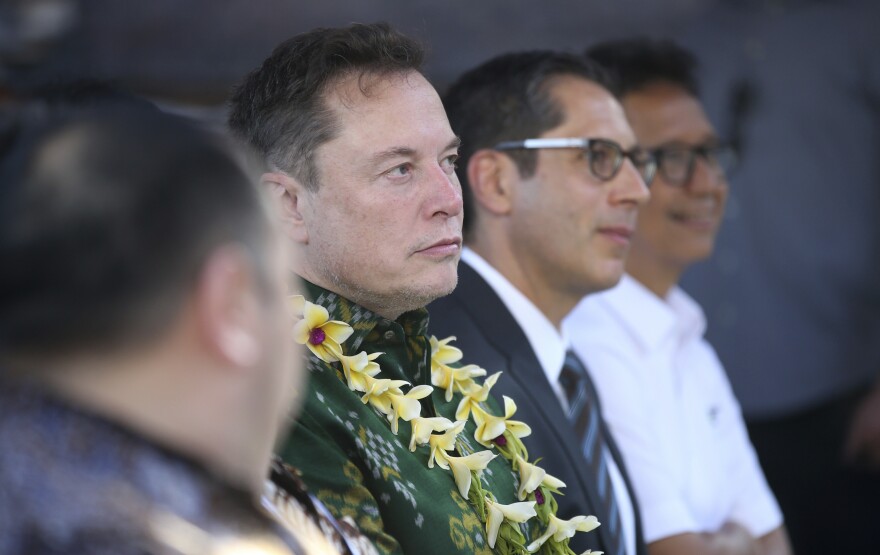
pixel 352 461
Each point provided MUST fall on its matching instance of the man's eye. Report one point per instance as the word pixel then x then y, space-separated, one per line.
pixel 450 163
pixel 402 170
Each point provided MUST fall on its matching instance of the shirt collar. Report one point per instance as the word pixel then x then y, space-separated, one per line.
pixel 654 320
pixel 548 344
pixel 362 320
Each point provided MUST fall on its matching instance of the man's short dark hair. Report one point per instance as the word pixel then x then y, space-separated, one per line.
pixel 280 109
pixel 106 217
pixel 507 99
pixel 636 63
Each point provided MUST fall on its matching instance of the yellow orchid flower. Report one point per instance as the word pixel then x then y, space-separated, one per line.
pixel 378 390
pixel 564 529
pixel 443 376
pixel 475 396
pixel 320 334
pixel 358 366
pixel 422 428
pixel 531 476
pixel 514 512
pixel 406 406
pixel 452 379
pixel 444 442
pixel 489 427
pixel 462 467
pixel 442 353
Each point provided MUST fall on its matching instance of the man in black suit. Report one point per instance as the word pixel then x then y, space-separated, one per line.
pixel 552 183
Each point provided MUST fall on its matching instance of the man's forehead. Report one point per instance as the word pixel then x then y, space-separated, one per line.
pixel 589 110
pixel 665 113
pixel 357 93
pixel 389 114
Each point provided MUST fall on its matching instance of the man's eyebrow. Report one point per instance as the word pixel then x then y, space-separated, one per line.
pixel 404 152
pixel 393 152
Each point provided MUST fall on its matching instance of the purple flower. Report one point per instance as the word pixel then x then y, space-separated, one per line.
pixel 317 336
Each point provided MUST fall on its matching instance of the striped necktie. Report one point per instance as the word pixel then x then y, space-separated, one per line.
pixel 583 412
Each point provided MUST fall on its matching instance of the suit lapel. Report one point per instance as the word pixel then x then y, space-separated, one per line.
pixel 506 336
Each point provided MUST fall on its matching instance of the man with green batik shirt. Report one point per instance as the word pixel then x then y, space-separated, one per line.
pixel 360 159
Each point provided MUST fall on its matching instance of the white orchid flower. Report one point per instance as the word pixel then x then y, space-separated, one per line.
pixel 475 396
pixel 532 476
pixel 462 467
pixel 562 529
pixel 514 512
pixel 444 442
pixel 490 427
pixel 422 428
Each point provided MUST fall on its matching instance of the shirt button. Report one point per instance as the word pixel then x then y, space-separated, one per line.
pixel 389 335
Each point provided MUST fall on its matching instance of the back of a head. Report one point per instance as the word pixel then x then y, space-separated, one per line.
pixel 634 64
pixel 279 109
pixel 506 99
pixel 105 218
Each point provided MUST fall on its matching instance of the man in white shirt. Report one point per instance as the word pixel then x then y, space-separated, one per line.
pixel 666 397
pixel 552 183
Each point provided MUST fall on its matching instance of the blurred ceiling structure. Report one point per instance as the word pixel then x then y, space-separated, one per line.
pixel 192 52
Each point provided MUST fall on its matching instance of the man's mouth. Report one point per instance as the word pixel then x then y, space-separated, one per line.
pixel 618 234
pixel 443 247
pixel 699 221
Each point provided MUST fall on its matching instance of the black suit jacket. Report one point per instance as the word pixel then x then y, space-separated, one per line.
pixel 489 336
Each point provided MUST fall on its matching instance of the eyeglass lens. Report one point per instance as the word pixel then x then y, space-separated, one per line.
pixel 677 163
pixel 606 158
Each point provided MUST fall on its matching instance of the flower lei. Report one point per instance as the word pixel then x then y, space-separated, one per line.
pixel 324 338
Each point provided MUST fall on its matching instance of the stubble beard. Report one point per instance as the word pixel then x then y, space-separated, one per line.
pixel 389 304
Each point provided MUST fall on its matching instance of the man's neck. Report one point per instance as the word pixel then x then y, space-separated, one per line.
pixel 555 305
pixel 129 391
pixel 657 276
pixel 386 308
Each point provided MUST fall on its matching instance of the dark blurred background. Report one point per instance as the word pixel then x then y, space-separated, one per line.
pixel 192 51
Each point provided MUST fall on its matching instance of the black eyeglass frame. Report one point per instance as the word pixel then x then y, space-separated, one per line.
pixel 725 162
pixel 643 160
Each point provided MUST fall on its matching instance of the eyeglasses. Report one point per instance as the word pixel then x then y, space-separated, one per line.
pixel 605 157
pixel 676 162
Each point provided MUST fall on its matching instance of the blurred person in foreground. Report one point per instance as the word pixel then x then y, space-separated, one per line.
pixel 396 433
pixel 144 362
pixel 553 180
pixel 667 399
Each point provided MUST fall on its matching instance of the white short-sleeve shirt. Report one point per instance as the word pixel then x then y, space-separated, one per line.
pixel 672 412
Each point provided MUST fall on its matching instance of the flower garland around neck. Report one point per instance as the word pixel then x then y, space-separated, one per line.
pixel 324 338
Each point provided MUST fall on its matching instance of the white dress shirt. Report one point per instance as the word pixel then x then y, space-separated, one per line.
pixel 550 345
pixel 672 412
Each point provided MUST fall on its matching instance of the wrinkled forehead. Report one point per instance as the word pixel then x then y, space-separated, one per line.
pixel 379 112
pixel 357 93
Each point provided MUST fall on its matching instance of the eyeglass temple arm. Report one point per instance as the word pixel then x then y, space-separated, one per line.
pixel 543 143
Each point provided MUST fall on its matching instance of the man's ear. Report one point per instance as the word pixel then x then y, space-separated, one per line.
pixel 227 307
pixel 291 198
pixel 489 176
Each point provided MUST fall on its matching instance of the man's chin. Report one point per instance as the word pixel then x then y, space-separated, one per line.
pixel 424 296
pixel 607 278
